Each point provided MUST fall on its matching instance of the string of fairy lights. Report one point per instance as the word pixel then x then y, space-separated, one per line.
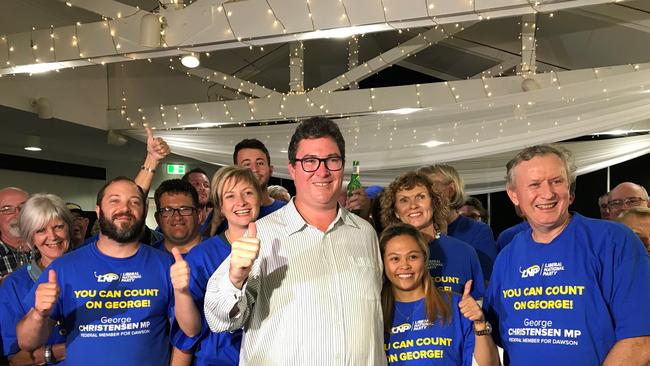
pixel 244 89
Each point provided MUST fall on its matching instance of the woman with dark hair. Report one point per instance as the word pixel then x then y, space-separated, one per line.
pixel 46 225
pixel 411 199
pixel 423 325
pixel 237 196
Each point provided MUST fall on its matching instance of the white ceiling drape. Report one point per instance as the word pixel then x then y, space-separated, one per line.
pixel 477 132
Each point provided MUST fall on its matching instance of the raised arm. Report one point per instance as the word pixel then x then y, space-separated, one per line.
pixel 157 149
pixel 34 329
pixel 185 311
pixel 485 351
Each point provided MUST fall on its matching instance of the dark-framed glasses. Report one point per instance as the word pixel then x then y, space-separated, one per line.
pixel 10 210
pixel 169 211
pixel 311 163
pixel 627 202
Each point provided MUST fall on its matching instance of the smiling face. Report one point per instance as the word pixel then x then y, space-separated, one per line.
pixel 413 206
pixel 52 240
pixel 240 203
pixel 121 213
pixel 255 160
pixel 404 265
pixel 541 190
pixel 316 190
pixel 178 229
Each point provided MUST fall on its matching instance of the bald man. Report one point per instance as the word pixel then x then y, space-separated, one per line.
pixel 625 196
pixel 14 252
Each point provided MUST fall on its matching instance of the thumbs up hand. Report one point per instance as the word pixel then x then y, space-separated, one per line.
pixel 469 307
pixel 244 252
pixel 179 272
pixel 46 296
pixel 156 146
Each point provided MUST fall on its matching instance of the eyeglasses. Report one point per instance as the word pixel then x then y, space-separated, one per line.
pixel 169 211
pixel 311 164
pixel 10 210
pixel 628 201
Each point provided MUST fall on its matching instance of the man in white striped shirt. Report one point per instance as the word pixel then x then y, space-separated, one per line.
pixel 305 283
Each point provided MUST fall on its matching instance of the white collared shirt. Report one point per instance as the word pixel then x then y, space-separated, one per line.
pixel 312 297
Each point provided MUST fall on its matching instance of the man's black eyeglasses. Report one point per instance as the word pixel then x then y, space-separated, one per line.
pixel 311 164
pixel 169 212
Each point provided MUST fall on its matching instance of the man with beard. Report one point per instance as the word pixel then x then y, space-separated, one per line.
pixel 14 252
pixel 114 294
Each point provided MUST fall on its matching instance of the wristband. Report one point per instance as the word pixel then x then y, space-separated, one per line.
pixel 148 169
pixel 486 331
pixel 48 356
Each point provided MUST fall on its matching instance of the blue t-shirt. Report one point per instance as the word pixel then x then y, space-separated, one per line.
pixel 452 263
pixel 508 234
pixel 14 288
pixel 572 299
pixel 414 341
pixel 212 348
pixel 115 310
pixel 479 236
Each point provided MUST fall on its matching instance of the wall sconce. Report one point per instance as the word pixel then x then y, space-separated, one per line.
pixel 33 143
pixel 43 107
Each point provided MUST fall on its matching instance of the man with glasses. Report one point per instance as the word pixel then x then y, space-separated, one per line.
pixel 305 282
pixel 177 215
pixel 14 252
pixel 625 196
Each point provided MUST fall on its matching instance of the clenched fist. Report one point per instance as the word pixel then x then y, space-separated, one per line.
pixel 244 252
pixel 47 294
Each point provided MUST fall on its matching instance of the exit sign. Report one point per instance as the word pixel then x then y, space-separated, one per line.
pixel 175 168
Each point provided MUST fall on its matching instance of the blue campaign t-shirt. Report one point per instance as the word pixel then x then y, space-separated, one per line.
pixel 212 348
pixel 479 236
pixel 452 263
pixel 508 234
pixel 414 341
pixel 115 310
pixel 572 299
pixel 14 288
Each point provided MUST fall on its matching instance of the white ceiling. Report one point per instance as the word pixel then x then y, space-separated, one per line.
pixel 576 38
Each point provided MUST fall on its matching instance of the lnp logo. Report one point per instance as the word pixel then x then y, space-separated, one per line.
pixel 530 271
pixel 107 277
pixel 400 328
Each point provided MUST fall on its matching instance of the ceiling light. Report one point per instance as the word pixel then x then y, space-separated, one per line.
pixel 190 60
pixel 37 68
pixel 401 111
pixel 434 143
pixel 33 143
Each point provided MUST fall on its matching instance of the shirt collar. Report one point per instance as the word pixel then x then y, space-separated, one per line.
pixel 295 222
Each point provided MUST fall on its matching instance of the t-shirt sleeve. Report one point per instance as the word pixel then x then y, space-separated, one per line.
pixel 626 283
pixel 491 302
pixel 9 314
pixel 478 284
pixel 468 338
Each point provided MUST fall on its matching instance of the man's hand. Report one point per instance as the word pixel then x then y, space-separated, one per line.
pixel 47 294
pixel 244 252
pixel 179 272
pixel 156 146
pixel 359 203
pixel 469 307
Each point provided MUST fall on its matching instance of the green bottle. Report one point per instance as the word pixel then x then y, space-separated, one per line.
pixel 355 180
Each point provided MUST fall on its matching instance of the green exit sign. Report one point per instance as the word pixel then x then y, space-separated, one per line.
pixel 175 168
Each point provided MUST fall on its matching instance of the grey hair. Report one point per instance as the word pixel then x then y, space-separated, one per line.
pixel 38 211
pixel 633 212
pixel 451 177
pixel 542 150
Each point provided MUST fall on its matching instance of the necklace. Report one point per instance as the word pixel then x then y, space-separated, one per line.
pixel 415 308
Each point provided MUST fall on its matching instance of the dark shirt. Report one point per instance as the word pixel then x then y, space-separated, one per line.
pixel 12 259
